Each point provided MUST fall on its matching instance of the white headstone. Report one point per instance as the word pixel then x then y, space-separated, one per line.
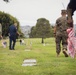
pixel 27 50
pixel 29 62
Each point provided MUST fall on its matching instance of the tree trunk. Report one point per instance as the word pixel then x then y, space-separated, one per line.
pixel 42 40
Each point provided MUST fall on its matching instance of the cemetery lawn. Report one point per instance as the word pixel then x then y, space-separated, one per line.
pixel 45 55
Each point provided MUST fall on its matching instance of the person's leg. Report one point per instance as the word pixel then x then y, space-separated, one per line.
pixel 64 45
pixel 10 43
pixel 58 47
pixel 69 14
pixel 14 42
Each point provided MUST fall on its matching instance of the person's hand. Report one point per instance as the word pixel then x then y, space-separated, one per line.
pixel 69 21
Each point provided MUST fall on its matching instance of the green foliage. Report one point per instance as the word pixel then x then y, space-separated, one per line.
pixel 52 31
pixel 6 20
pixel 33 32
pixel 42 29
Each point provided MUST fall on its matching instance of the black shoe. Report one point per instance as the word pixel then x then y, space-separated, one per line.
pixel 64 52
pixel 13 49
pixel 10 49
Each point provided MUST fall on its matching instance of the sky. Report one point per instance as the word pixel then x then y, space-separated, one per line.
pixel 28 11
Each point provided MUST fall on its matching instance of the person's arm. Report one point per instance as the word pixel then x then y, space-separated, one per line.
pixel 71 7
pixel 55 30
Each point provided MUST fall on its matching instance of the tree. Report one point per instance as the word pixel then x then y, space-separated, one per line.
pixel 6 20
pixel 41 30
pixel 33 32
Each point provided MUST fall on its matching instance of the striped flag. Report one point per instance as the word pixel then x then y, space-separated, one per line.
pixel 71 47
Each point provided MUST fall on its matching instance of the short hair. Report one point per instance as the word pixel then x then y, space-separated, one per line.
pixel 63 11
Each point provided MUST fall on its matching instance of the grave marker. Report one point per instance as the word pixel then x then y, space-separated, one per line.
pixel 29 62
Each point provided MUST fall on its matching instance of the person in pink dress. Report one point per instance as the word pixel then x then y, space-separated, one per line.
pixel 71 47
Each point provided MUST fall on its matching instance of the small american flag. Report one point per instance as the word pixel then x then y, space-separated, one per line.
pixel 71 47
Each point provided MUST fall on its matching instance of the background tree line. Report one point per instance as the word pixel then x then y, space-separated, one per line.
pixel 6 20
pixel 42 29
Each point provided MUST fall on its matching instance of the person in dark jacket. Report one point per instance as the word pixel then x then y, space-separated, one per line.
pixel 71 8
pixel 12 36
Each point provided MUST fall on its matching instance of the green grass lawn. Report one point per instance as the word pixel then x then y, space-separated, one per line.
pixel 47 62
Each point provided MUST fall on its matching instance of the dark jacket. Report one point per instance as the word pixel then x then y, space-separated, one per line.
pixel 72 5
pixel 12 31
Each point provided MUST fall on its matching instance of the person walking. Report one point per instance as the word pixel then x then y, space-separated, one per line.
pixel 12 36
pixel 71 8
pixel 61 34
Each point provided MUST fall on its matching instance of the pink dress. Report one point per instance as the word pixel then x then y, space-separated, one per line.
pixel 71 47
